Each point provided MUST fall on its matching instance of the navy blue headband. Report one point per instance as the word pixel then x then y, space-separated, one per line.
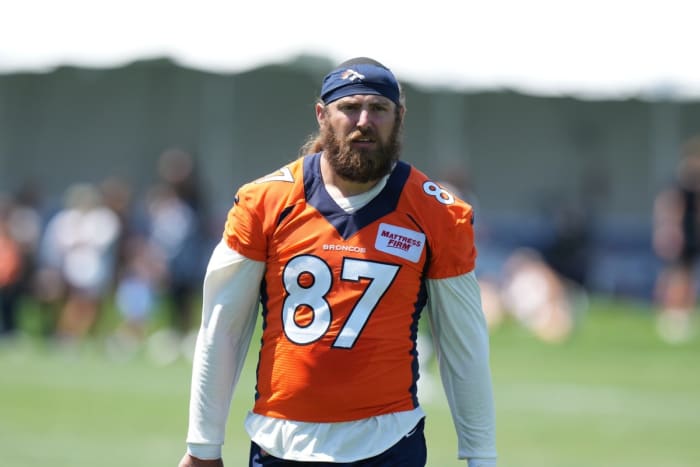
pixel 360 78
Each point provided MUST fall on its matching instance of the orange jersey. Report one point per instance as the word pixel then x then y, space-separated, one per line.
pixel 343 292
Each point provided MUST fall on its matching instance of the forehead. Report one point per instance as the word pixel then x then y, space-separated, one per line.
pixel 364 99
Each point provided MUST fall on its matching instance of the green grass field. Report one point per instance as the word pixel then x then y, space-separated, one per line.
pixel 612 396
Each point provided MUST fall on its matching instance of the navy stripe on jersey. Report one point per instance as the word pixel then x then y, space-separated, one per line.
pixel 347 224
pixel 264 305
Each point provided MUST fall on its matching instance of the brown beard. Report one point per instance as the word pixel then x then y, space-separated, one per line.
pixel 360 165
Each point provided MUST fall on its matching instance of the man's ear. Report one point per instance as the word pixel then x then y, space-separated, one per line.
pixel 320 112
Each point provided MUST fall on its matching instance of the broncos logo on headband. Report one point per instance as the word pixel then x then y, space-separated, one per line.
pixel 360 78
pixel 352 75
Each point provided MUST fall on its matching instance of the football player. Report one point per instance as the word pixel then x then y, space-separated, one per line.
pixel 343 250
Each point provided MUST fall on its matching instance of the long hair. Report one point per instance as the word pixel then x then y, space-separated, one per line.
pixel 313 142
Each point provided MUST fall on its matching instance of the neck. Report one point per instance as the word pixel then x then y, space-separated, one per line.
pixel 346 187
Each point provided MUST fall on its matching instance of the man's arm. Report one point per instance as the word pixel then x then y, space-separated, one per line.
pixel 229 311
pixel 462 345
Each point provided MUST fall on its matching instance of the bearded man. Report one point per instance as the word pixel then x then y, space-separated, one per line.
pixel 342 251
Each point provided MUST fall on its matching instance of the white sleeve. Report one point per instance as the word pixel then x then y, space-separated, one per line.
pixel 461 342
pixel 229 311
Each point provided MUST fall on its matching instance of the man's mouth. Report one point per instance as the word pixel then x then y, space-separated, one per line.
pixel 362 140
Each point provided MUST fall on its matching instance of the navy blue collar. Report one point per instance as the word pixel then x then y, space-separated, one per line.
pixel 347 224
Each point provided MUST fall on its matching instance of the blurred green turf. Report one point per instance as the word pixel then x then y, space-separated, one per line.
pixel 614 395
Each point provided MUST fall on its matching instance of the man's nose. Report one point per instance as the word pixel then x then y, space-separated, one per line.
pixel 363 119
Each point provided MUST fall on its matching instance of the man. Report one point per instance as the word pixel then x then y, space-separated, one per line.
pixel 676 240
pixel 343 248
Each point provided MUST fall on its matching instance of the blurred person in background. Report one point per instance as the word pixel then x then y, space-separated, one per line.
pixel 139 272
pixel 176 231
pixel 344 247
pixel 544 287
pixel 568 251
pixel 676 240
pixel 541 290
pixel 136 295
pixel 20 230
pixel 78 254
pixel 117 196
pixel 537 296
pixel 10 273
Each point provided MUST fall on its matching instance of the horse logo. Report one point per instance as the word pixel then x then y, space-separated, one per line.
pixel 351 75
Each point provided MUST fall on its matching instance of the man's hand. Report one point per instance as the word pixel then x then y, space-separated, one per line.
pixel 190 461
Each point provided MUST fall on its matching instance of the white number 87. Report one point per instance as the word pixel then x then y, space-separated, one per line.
pixel 313 296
